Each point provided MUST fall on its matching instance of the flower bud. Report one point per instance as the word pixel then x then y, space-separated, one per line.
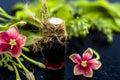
pixel 22 23
pixel 18 79
pixel 30 76
pixel 10 68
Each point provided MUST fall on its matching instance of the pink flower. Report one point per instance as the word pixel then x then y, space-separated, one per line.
pixel 85 65
pixel 11 41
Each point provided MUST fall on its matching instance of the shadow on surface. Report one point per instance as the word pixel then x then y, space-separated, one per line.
pixel 54 74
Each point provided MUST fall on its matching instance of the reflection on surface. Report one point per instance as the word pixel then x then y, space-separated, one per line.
pixel 54 74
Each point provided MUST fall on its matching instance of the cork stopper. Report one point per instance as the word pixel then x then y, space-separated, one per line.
pixel 55 21
pixel 54 27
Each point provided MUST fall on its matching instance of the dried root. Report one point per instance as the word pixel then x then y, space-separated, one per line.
pixel 36 45
pixel 54 32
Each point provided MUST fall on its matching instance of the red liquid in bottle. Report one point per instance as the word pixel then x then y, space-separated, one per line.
pixel 54 57
pixel 54 66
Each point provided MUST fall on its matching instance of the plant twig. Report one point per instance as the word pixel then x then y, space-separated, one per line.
pixel 41 65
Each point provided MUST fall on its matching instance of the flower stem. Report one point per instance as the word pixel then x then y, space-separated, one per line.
pixel 96 53
pixel 16 72
pixel 25 49
pixel 3 13
pixel 3 58
pixel 41 65
pixel 3 20
pixel 21 23
pixel 16 64
pixel 23 67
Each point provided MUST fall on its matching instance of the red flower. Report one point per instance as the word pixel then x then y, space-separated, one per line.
pixel 85 65
pixel 11 41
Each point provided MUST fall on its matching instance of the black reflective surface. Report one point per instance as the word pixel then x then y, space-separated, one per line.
pixel 110 57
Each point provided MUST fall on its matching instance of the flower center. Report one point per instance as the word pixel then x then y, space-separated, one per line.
pixel 84 63
pixel 12 42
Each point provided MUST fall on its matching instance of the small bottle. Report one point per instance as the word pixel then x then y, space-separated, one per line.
pixel 54 43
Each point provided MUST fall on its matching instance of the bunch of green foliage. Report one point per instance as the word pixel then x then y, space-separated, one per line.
pixel 104 16
pixel 80 16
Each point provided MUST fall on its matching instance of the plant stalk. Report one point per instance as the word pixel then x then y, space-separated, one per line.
pixel 41 65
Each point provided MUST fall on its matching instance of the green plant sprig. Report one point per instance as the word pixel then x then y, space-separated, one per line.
pixel 98 13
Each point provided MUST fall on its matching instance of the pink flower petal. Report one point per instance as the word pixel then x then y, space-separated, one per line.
pixel 87 54
pixel 4 37
pixel 88 72
pixel 75 58
pixel 4 48
pixel 21 40
pixel 94 64
pixel 78 70
pixel 16 51
pixel 13 32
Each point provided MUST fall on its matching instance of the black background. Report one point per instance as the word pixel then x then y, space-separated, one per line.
pixel 110 56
